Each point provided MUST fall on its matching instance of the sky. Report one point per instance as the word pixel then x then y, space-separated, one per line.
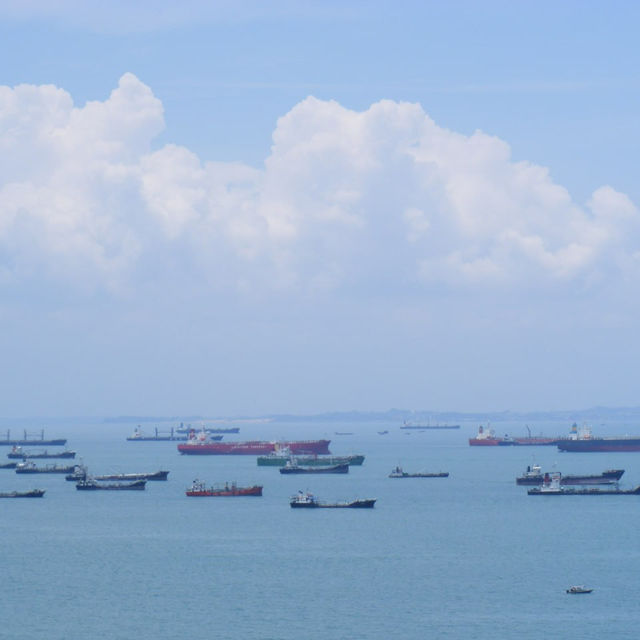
pixel 242 208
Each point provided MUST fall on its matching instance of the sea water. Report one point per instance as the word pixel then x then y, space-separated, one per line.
pixel 468 556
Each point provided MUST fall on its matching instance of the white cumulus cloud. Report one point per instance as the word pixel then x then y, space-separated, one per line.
pixel 345 199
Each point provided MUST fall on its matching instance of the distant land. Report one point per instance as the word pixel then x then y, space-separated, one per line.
pixel 400 415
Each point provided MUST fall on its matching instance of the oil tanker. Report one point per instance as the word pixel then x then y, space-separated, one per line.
pixel 583 441
pixel 488 438
pixel 202 445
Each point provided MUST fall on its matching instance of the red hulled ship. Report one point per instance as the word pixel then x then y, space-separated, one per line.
pixel 200 444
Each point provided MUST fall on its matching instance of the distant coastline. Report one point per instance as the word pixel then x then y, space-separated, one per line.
pixel 400 415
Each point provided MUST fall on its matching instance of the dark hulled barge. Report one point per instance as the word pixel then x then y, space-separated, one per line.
pixel 309 501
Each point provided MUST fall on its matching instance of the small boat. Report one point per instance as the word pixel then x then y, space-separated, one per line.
pixel 309 501
pixel 18 453
pixel 399 473
pixel 30 467
pixel 382 433
pixel 579 589
pixel 343 433
pixel 90 484
pixel 292 467
pixel 199 490
pixel 34 493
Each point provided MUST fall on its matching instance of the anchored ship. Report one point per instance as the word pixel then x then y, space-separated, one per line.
pixel 295 468
pixel 90 484
pixel 228 490
pixel 582 441
pixel 29 440
pixel 34 493
pixel 22 454
pixel 30 467
pixel 201 444
pixel 488 438
pixel 552 486
pixel 280 458
pixel 309 501
pixel 533 476
pixel 399 473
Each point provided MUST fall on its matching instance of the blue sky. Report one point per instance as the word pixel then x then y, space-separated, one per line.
pixel 240 208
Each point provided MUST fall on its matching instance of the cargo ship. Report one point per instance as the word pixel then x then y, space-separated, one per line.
pixel 399 473
pixel 409 425
pixel 533 476
pixel 162 436
pixel 228 490
pixel 290 468
pixel 488 438
pixel 279 459
pixel 34 493
pixel 202 445
pixel 29 440
pixel 22 454
pixel 552 486
pixel 582 441
pixel 309 501
pixel 90 484
pixel 30 467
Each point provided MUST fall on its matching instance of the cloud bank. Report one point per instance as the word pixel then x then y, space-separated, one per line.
pixel 346 200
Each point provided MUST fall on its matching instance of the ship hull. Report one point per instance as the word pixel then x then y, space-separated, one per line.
pixel 33 443
pixel 339 468
pixel 94 486
pixel 254 448
pixel 310 461
pixel 36 493
pixel 355 504
pixel 225 493
pixel 600 445
pixel 584 492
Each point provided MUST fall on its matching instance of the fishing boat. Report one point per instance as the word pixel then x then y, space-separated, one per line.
pixel 227 490
pixel 90 484
pixel 579 589
pixel 23 454
pixel 293 467
pixel 30 467
pixel 399 473
pixel 34 493
pixel 308 501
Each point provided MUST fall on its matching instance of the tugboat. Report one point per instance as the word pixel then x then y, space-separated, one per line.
pixel 579 589
pixel 399 473
pixel 199 490
pixel 309 501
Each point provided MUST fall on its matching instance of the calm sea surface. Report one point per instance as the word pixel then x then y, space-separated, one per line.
pixel 469 556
